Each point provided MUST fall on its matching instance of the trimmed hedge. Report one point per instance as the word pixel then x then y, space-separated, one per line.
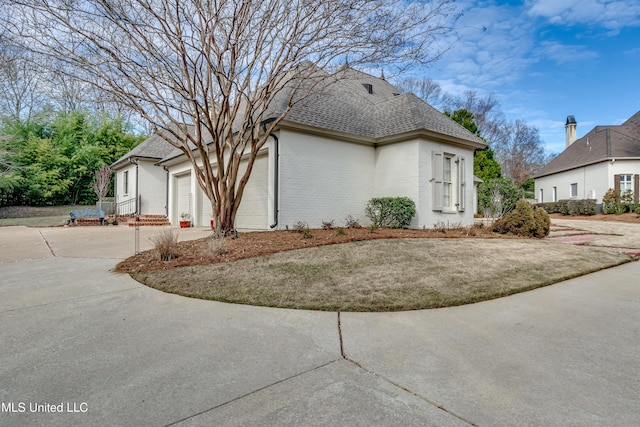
pixel 570 207
pixel 392 212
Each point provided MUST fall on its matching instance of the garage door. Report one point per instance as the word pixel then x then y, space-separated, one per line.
pixel 183 196
pixel 253 213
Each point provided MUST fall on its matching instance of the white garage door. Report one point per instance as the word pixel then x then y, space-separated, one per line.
pixel 183 196
pixel 253 213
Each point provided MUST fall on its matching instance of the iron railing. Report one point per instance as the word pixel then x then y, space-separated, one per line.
pixel 128 207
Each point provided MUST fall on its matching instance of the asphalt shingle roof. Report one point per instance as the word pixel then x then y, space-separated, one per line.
pixel 600 144
pixel 348 101
pixel 155 147
pixel 346 105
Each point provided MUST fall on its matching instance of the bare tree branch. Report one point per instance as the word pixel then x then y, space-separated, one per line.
pixel 207 74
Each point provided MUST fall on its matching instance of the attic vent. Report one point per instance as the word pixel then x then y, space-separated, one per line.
pixel 368 87
pixel 396 94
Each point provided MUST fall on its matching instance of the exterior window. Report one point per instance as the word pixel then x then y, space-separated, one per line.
pixel 554 194
pixel 626 183
pixel 448 182
pixel 541 196
pixel 125 182
pixel 574 190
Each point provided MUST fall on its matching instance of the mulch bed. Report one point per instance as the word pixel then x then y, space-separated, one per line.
pixel 253 244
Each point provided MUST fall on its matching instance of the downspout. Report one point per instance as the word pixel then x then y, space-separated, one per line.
pixel 166 193
pixel 115 197
pixel 276 173
pixel 135 162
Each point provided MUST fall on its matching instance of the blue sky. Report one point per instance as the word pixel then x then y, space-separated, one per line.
pixel 546 59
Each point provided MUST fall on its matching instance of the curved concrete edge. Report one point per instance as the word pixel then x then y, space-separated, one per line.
pixel 561 355
pixel 77 335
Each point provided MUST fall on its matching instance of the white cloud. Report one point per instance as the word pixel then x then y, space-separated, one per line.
pixel 632 52
pixel 511 50
pixel 562 54
pixel 493 47
pixel 611 15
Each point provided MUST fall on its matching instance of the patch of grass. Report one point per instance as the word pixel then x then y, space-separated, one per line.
pixel 36 216
pixel 386 275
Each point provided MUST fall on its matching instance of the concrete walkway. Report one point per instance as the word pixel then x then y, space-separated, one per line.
pixel 610 234
pixel 108 351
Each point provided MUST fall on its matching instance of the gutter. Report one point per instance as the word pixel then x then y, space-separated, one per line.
pixel 276 173
pixel 166 193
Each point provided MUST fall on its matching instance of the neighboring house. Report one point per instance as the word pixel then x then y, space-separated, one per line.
pixel 606 157
pixel 360 138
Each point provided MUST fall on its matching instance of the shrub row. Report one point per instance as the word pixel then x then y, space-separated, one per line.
pixel 570 207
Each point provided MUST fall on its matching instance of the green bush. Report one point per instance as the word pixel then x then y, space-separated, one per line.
pixel 570 207
pixel 306 233
pixel 525 220
pixel 392 212
pixel 615 203
pixel 498 196
pixel 549 207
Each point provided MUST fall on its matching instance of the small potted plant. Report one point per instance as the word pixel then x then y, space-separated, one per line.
pixel 185 220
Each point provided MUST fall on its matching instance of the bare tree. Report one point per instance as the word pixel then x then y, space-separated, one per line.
pixel 428 90
pixel 18 82
pixel 207 73
pixel 521 153
pixel 101 183
pixel 487 114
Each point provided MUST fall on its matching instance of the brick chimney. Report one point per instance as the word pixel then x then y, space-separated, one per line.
pixel 570 128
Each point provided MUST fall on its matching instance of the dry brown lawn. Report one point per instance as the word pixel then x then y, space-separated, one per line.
pixel 383 275
pixel 628 217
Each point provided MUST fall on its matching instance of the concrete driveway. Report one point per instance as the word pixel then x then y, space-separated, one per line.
pixel 105 350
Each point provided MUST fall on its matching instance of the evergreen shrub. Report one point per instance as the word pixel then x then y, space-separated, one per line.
pixel 392 212
pixel 525 220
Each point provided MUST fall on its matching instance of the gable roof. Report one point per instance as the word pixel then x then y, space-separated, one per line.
pixel 348 102
pixel 601 144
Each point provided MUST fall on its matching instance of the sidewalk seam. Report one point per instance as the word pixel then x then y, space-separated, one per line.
pixel 67 300
pixel 53 254
pixel 395 384
pixel 252 392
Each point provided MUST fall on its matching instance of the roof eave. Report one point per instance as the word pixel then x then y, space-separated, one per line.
pixel 390 139
pixel 432 136
pixel 116 165
pixel 585 164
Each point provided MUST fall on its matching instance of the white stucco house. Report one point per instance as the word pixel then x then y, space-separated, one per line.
pixel 360 138
pixel 606 157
